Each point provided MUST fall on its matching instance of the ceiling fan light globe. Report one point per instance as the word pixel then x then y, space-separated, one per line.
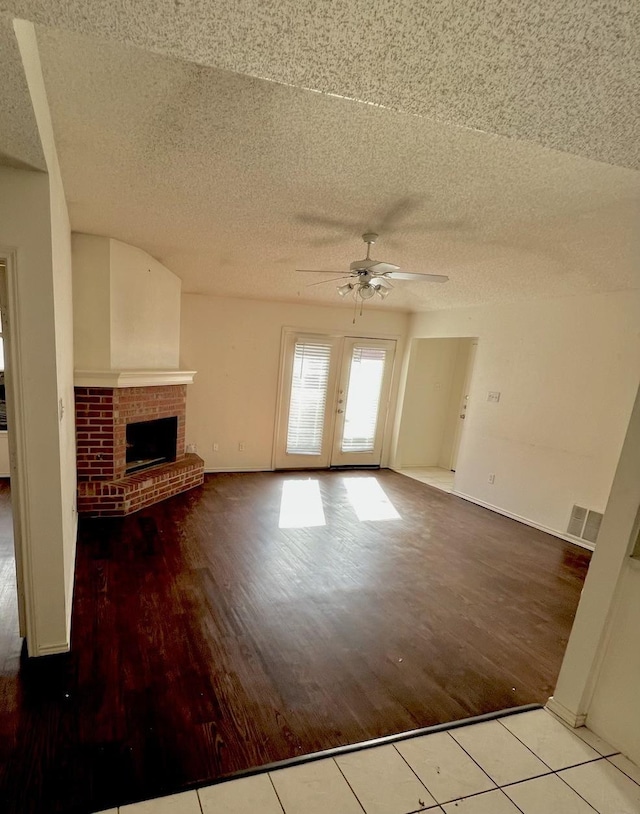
pixel 345 289
pixel 366 291
pixel 383 291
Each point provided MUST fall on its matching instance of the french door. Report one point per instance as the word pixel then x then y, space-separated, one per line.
pixel 334 401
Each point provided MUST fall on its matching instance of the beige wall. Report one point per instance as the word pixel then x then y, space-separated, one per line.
pixel 126 307
pixel 598 681
pixel 235 347
pixel 567 371
pixel 91 301
pixel 145 311
pixel 614 712
pixel 430 403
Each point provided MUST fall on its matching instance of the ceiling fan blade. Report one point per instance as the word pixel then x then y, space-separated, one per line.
pixel 319 220
pixel 380 268
pixel 319 271
pixel 333 280
pixel 328 241
pixel 397 212
pixel 413 275
pixel 435 226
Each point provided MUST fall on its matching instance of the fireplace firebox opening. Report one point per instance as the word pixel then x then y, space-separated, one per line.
pixel 151 442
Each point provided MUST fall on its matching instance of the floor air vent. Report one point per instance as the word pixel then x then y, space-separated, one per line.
pixel 584 523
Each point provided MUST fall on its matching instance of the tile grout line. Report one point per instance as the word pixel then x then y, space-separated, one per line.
pixel 608 759
pixel 419 779
pixel 544 762
pixel 349 784
pixel 546 774
pixel 275 791
pixel 558 775
pixel 574 731
pixel 513 803
pixel 553 771
pixel 438 805
pixel 487 773
pixel 199 801
pixel 486 791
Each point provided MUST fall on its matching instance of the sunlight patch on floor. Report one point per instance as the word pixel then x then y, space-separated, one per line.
pixel 301 505
pixel 369 499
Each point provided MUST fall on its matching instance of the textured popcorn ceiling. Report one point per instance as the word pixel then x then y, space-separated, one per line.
pixel 19 141
pixel 564 73
pixel 228 181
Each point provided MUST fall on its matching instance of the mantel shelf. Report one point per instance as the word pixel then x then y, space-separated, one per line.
pixel 131 378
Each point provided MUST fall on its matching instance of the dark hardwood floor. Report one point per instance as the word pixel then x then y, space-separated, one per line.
pixel 207 640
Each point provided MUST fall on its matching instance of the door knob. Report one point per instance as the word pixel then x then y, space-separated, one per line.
pixel 341 411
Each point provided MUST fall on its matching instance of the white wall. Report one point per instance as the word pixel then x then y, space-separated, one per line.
pixel 614 712
pixel 430 404
pixel 91 301
pixel 426 401
pixel 567 370
pixel 145 311
pixel 598 681
pixel 48 499
pixel 126 307
pixel 235 347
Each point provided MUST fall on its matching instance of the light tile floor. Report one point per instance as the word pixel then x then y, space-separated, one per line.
pixel 432 475
pixel 529 763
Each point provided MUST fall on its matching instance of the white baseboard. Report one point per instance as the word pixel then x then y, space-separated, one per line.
pixel 52 649
pixel 237 469
pixel 525 520
pixel 568 716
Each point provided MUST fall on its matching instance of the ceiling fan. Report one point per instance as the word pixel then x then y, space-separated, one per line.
pixel 369 277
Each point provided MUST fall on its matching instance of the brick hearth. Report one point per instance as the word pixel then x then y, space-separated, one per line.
pixel 102 415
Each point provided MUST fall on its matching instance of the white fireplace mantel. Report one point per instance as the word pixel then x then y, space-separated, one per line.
pixel 131 378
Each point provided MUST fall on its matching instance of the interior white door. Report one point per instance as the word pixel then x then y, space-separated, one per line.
pixel 462 411
pixel 334 401
pixel 362 401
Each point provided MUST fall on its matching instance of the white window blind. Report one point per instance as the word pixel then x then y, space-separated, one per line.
pixel 363 399
pixel 309 381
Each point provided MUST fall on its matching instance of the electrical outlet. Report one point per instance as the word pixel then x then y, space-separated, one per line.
pixel 215 447
pixel 240 446
pixel 191 448
pixel 492 478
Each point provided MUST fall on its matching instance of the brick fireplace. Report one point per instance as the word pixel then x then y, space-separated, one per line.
pixel 144 421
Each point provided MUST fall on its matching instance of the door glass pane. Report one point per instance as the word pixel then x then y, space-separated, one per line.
pixel 363 399
pixel 308 398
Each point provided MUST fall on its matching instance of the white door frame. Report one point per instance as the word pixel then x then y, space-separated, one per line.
pixel 17 441
pixel 320 332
